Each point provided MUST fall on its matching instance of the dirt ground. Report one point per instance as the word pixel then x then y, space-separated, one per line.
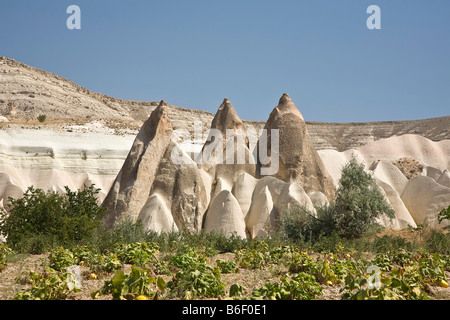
pixel 250 279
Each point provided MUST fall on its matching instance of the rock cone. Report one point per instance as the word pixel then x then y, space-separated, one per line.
pixel 131 187
pixel 298 160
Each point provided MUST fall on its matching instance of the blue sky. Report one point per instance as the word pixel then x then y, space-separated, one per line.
pixel 195 53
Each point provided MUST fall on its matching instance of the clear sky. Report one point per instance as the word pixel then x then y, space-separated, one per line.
pixel 194 53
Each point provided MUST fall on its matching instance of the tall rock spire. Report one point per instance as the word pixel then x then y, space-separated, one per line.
pixel 298 160
pixel 226 152
pixel 131 187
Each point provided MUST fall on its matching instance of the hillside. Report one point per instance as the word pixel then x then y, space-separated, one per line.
pixel 26 92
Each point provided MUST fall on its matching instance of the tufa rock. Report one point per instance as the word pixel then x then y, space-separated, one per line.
pixel 298 159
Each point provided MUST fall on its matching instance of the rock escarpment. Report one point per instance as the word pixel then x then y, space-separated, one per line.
pixel 26 92
pixel 222 189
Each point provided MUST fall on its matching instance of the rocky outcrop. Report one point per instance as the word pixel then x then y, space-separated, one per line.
pixel 226 152
pixel 26 92
pixel 425 198
pixel 158 183
pixel 225 215
pixel 444 179
pixel 258 219
pixel 130 190
pixel 94 133
pixel 298 159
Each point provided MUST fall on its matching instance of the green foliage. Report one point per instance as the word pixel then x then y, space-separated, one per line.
pixel 301 286
pixel 60 259
pixel 236 290
pixel 4 252
pixel 129 286
pixel 188 258
pixel 439 242
pixel 358 202
pixel 49 285
pixel 51 217
pixel 255 257
pixel 42 118
pixel 444 214
pixel 138 253
pixel 357 206
pixel 191 283
pixel 196 278
pixel 297 224
pixel 403 276
pixel 226 266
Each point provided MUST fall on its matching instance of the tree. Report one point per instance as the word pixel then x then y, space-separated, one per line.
pixel 48 218
pixel 358 202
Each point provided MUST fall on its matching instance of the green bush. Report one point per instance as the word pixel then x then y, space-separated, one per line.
pixel 60 259
pixel 357 206
pixel 301 286
pixel 42 118
pixel 51 218
pixel 4 252
pixel 444 214
pixel 359 202
pixel 50 285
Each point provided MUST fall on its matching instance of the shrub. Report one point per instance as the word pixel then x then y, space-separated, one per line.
pixel 296 224
pixel 359 202
pixel 4 251
pixel 444 214
pixel 42 118
pixel 357 206
pixel 139 284
pixel 301 286
pixel 50 285
pixel 60 259
pixel 52 218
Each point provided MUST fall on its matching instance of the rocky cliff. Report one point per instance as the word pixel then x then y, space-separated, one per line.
pixel 26 92
pixel 92 138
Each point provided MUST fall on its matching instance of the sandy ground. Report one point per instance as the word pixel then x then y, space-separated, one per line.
pixel 250 279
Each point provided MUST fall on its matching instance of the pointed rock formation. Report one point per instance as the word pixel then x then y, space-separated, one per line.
pixel 444 179
pixel 156 216
pixel 158 183
pixel 293 195
pixel 432 172
pixel 390 174
pixel 226 152
pixel 243 190
pixel 181 185
pixel 131 187
pixel 225 215
pixel 401 212
pixel 258 217
pixel 298 160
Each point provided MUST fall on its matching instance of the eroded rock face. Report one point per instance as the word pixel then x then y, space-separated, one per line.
pixel 425 198
pixel 444 179
pixel 130 189
pixel 163 187
pixel 225 215
pixel 298 160
pixel 226 152
pixel 182 186
pixel 259 216
pixel 156 215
